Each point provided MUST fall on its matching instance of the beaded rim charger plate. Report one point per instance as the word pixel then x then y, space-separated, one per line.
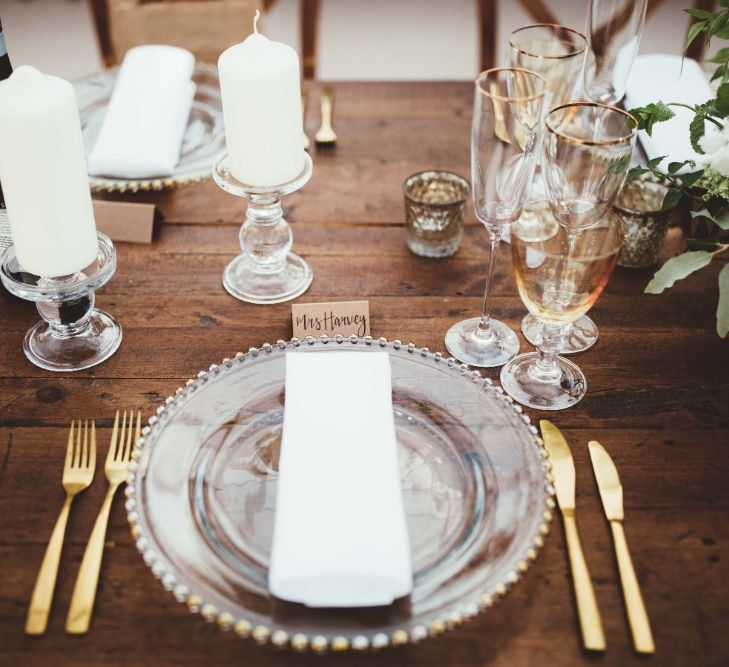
pixel 202 485
pixel 204 136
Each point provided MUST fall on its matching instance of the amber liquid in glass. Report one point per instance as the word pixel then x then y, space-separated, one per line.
pixel 557 285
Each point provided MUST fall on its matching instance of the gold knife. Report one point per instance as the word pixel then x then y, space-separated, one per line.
pixel 563 471
pixel 611 493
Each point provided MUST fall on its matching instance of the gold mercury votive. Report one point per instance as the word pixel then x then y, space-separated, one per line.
pixel 639 206
pixel 435 202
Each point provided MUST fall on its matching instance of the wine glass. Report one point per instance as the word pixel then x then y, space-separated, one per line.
pixel 555 52
pixel 614 28
pixel 558 54
pixel 560 272
pixel 587 151
pixel 507 116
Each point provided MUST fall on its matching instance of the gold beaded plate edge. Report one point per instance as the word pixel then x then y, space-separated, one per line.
pixel 204 137
pixel 266 629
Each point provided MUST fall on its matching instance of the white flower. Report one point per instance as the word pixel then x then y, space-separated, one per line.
pixel 716 145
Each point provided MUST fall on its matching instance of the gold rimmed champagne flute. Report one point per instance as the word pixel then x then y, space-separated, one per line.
pixel 558 53
pixel 559 274
pixel 507 117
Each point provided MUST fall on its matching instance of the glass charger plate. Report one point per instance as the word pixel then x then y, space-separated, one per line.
pixel 204 137
pixel 202 487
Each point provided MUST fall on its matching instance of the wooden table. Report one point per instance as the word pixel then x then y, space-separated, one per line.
pixel 657 399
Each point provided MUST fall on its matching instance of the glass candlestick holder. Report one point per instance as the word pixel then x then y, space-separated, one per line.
pixel 267 271
pixel 72 335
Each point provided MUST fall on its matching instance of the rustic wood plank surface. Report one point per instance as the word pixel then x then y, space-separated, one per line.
pixel 657 399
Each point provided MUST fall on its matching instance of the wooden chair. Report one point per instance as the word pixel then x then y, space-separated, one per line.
pixel 204 27
pixel 538 10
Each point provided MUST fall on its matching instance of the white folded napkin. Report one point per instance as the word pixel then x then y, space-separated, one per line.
pixel 661 76
pixel 141 135
pixel 340 536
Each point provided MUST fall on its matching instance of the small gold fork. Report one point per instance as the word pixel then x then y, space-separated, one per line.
pixel 78 472
pixel 326 136
pixel 84 590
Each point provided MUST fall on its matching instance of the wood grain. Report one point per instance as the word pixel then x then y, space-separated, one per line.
pixel 657 400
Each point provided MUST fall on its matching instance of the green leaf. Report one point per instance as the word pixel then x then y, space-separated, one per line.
pixel 696 131
pixel 693 32
pixel 678 268
pixel 636 171
pixel 722 308
pixel 723 3
pixel 650 114
pixel 722 100
pixel 719 73
pixel 720 57
pixel 710 244
pixel 652 164
pixel 700 13
pixel 687 180
pixel 673 196
pixel 721 218
pixel 673 167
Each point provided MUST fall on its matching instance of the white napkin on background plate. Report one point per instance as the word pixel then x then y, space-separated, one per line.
pixel 340 536
pixel 661 76
pixel 141 135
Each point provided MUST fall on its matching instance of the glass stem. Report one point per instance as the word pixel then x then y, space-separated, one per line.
pixel 546 368
pixel 484 326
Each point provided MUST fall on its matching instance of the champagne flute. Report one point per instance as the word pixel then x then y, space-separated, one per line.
pixel 507 117
pixel 614 28
pixel 560 272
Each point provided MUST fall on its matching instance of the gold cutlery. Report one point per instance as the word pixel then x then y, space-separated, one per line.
pixel 304 104
pixel 326 136
pixel 78 472
pixel 611 494
pixel 563 471
pixel 84 590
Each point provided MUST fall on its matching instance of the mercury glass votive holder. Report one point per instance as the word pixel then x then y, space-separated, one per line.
pixel 639 206
pixel 435 203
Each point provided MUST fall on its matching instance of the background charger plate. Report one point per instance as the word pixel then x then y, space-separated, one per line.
pixel 204 137
pixel 202 486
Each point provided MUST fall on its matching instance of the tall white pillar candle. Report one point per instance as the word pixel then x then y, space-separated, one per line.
pixel 43 174
pixel 259 82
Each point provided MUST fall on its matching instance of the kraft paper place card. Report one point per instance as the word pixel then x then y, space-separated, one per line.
pixel 319 319
pixel 125 221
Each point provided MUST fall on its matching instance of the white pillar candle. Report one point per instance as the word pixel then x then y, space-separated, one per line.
pixel 259 82
pixel 43 174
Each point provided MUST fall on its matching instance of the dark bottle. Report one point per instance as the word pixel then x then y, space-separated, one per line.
pixel 6 69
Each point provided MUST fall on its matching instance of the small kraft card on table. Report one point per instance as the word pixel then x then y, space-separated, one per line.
pixel 330 319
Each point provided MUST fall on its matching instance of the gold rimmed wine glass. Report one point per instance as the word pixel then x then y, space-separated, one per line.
pixel 557 53
pixel 559 274
pixel 507 116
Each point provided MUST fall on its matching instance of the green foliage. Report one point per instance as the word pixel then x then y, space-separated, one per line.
pixel 705 185
pixel 650 114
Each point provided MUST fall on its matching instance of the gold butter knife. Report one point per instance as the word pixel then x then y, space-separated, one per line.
pixel 611 493
pixel 563 471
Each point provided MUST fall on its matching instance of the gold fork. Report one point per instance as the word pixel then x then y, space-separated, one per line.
pixel 78 472
pixel 84 590
pixel 326 136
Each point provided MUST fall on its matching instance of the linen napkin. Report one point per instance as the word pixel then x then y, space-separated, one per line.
pixel 660 76
pixel 141 135
pixel 340 536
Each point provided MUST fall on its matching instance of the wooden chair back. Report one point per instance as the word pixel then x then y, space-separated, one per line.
pixel 204 27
